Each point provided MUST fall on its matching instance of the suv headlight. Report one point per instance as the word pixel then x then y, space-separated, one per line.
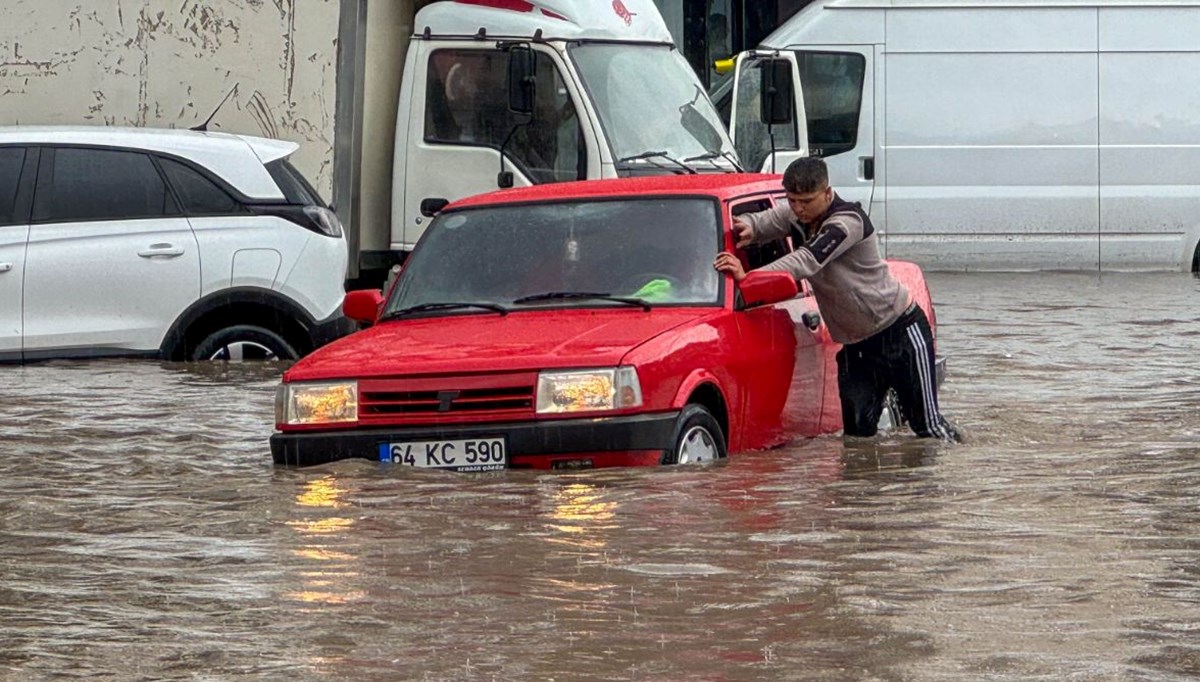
pixel 316 403
pixel 588 390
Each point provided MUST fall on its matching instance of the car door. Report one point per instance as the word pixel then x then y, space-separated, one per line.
pixel 787 352
pixel 17 165
pixel 111 262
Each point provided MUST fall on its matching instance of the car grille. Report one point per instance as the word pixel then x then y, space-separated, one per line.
pixel 450 398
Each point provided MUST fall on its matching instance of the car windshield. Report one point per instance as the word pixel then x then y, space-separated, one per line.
pixel 649 100
pixel 627 252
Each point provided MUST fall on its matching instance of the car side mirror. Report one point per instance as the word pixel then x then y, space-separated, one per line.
pixel 363 305
pixel 764 287
pixel 777 92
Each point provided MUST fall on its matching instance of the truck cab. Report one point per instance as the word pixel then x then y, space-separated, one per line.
pixel 497 93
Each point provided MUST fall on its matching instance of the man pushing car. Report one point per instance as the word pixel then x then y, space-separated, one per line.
pixel 886 337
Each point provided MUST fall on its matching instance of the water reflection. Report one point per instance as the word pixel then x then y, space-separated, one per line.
pixel 144 533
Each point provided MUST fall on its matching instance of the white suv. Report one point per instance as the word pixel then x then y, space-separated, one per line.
pixel 168 243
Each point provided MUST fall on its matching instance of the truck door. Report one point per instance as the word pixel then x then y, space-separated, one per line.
pixel 460 120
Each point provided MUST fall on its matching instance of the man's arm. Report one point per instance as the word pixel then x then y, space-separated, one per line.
pixel 764 226
pixel 837 234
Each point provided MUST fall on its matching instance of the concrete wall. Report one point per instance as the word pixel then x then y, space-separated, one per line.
pixel 170 62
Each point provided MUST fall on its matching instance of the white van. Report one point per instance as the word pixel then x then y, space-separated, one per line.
pixel 998 134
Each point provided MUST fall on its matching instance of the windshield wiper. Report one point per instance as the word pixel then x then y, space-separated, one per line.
pixel 447 305
pixel 717 155
pixel 649 156
pixel 579 296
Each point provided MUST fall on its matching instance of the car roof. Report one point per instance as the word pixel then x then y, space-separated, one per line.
pixel 225 154
pixel 718 185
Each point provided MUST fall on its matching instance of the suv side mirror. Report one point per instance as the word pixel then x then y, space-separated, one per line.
pixel 764 287
pixel 775 102
pixel 522 80
pixel 362 305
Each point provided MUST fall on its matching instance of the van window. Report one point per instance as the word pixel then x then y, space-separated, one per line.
pixel 466 102
pixel 11 160
pixel 754 138
pixel 100 184
pixel 832 83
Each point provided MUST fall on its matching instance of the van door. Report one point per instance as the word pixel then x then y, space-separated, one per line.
pixel 839 111
pixel 754 139
pixel 460 119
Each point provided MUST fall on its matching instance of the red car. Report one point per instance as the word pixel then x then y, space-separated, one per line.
pixel 570 326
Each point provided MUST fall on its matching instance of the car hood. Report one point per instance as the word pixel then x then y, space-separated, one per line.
pixel 518 341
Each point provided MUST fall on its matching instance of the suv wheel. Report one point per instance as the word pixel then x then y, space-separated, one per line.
pixel 244 342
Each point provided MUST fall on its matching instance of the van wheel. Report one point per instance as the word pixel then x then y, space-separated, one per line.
pixel 698 438
pixel 244 342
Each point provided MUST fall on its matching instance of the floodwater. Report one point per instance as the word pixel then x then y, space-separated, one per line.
pixel 145 534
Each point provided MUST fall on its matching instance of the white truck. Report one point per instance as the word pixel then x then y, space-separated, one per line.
pixel 994 134
pixel 458 98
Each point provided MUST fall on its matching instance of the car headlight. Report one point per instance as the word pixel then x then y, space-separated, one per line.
pixel 316 403
pixel 588 390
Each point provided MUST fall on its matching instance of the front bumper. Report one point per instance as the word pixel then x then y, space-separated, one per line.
pixel 549 439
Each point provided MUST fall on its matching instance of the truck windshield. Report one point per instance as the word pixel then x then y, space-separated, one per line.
pixel 655 251
pixel 649 100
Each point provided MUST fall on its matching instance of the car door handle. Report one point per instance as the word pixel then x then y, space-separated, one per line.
pixel 5 267
pixel 161 251
pixel 811 320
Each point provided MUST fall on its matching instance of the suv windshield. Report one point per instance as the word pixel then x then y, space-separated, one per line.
pixel 649 100
pixel 581 254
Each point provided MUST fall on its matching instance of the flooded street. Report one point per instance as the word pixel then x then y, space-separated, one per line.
pixel 145 533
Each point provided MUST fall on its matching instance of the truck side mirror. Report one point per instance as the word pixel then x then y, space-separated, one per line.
pixel 777 92
pixel 522 79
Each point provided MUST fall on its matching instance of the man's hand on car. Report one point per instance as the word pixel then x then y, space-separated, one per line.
pixel 728 263
pixel 742 233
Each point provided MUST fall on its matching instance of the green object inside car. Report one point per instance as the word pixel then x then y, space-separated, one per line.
pixel 654 290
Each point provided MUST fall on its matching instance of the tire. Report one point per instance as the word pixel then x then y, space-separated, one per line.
pixel 241 343
pixel 698 438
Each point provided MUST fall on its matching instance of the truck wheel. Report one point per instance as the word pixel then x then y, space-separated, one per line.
pixel 244 342
pixel 698 438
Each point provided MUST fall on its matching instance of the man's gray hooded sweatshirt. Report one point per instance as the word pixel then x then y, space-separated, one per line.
pixel 855 291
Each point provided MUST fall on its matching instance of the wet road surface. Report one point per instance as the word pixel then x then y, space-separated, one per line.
pixel 145 534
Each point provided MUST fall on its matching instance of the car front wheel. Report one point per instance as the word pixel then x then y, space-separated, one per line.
pixel 698 438
pixel 244 342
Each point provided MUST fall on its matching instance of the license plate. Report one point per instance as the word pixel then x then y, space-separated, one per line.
pixel 470 454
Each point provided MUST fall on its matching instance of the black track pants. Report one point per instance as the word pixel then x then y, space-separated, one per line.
pixel 899 357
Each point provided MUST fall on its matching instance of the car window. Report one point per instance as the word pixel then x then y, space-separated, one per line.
pixel 200 196
pixel 758 255
pixel 11 160
pixel 466 103
pixel 100 184
pixel 295 187
pixel 658 249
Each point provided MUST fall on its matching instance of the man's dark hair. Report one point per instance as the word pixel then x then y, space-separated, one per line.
pixel 806 174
